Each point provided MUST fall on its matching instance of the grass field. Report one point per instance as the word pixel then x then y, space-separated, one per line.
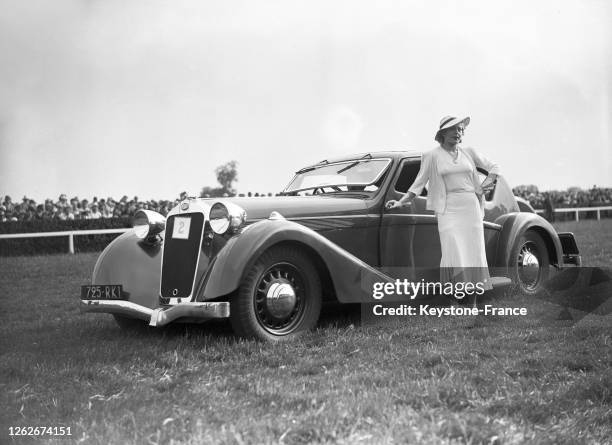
pixel 534 379
pixel 594 239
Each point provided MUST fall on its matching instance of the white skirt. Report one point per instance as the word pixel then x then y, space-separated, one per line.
pixel 462 240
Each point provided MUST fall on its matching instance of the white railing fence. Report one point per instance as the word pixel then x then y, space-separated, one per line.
pixel 70 234
pixel 576 211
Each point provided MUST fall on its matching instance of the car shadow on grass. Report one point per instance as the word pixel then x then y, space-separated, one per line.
pixel 220 329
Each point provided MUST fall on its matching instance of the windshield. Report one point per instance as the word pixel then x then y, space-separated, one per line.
pixel 346 176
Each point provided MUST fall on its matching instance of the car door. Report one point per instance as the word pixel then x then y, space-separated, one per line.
pixel 409 240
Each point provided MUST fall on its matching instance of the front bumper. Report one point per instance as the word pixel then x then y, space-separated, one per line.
pixel 196 312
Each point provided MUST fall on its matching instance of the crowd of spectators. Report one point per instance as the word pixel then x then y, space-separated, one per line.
pixel 64 209
pixel 570 198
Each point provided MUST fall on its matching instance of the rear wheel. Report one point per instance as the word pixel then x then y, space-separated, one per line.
pixel 530 263
pixel 279 298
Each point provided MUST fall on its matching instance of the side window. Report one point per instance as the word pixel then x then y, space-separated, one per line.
pixel 410 169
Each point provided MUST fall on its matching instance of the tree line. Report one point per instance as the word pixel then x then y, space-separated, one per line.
pixel 226 174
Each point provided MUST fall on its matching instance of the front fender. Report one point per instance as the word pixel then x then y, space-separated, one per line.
pixel 514 225
pixel 351 278
pixel 129 261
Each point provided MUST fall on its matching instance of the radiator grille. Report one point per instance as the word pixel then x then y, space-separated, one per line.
pixel 181 254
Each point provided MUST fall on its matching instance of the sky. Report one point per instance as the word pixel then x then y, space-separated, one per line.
pixel 147 97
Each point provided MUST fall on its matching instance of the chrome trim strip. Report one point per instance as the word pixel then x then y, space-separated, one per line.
pixel 492 225
pixel 413 215
pixel 369 215
pixel 300 218
pixel 160 316
pixel 486 224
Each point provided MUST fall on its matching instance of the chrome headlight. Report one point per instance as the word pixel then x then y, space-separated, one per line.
pixel 226 217
pixel 148 223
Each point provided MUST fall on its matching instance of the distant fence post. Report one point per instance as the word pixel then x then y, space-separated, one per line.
pixel 71 243
pixel 577 215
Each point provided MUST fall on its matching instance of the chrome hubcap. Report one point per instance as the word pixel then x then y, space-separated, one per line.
pixel 529 265
pixel 279 298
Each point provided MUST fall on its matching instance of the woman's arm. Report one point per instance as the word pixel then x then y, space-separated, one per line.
pixel 487 165
pixel 407 198
pixel 423 176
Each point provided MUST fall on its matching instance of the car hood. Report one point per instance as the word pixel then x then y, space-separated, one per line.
pixel 295 206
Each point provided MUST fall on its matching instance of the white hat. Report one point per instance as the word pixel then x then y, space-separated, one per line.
pixel 451 121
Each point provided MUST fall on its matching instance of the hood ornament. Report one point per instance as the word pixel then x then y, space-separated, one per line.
pixel 275 215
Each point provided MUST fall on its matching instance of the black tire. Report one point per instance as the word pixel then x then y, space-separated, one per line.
pixel 279 298
pixel 530 263
pixel 130 324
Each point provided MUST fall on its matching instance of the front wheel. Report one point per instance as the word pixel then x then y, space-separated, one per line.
pixel 279 298
pixel 530 263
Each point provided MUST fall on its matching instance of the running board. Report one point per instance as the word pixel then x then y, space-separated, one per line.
pixel 498 282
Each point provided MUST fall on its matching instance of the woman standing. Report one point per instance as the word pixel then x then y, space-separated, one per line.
pixel 455 194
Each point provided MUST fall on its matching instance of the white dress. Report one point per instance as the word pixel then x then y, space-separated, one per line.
pixel 460 225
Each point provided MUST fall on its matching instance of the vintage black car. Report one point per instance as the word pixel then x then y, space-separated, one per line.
pixel 268 263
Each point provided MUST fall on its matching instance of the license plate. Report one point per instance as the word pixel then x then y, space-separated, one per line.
pixel 102 292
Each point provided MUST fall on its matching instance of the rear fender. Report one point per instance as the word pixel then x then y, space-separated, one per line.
pixel 134 264
pixel 351 278
pixel 516 224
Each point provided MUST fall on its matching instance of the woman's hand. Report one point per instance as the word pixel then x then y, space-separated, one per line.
pixel 488 184
pixel 394 204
